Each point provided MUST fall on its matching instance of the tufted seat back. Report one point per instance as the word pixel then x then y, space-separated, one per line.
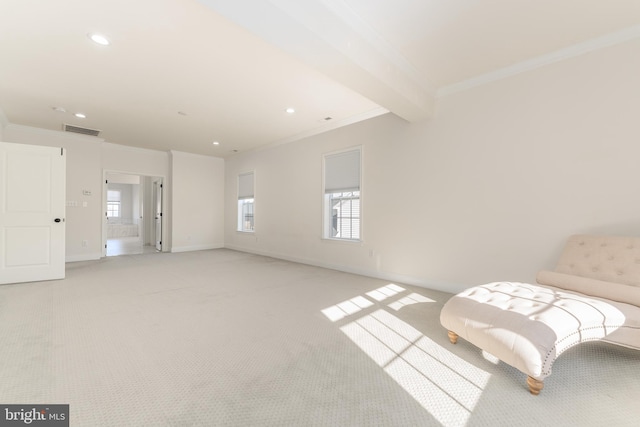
pixel 607 258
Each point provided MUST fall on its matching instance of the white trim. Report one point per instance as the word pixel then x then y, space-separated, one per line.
pixel 196 248
pixel 132 148
pixel 325 128
pixel 83 257
pixel 79 136
pixel 452 288
pixel 608 40
pixel 339 240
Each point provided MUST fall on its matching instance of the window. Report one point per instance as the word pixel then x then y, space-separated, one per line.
pixel 342 195
pixel 345 215
pixel 245 202
pixel 113 203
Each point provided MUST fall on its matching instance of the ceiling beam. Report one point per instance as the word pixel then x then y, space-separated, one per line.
pixel 328 36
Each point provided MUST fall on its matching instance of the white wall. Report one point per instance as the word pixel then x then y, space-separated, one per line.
pixel 487 190
pixel 136 161
pixel 197 209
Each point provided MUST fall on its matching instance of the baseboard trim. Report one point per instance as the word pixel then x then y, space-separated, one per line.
pixel 84 257
pixel 451 288
pixel 177 249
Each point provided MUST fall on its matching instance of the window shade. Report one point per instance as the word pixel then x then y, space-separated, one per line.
pixel 342 172
pixel 113 195
pixel 245 186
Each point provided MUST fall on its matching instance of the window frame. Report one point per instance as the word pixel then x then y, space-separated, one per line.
pixel 242 203
pixel 114 202
pixel 327 209
pixel 244 199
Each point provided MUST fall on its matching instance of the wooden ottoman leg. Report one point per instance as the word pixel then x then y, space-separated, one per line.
pixel 535 386
pixel 453 337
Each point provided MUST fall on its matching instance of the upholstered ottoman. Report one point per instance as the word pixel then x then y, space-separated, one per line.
pixel 528 326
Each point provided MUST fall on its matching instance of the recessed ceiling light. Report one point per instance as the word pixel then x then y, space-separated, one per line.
pixel 216 143
pixel 290 110
pixel 100 39
pixel 80 115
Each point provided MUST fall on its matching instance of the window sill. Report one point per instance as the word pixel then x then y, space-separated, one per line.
pixel 349 241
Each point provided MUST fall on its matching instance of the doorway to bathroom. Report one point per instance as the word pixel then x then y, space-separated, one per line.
pixel 133 217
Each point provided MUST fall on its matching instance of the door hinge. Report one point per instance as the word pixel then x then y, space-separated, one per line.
pixel 62 151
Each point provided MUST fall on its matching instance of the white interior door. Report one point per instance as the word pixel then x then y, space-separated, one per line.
pixel 32 213
pixel 157 201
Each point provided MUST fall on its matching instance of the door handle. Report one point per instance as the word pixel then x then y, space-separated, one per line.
pixel 57 220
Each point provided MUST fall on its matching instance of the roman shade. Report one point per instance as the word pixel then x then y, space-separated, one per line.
pixel 342 172
pixel 245 186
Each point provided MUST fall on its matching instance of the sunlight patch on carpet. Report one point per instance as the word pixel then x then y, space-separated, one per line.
pixel 346 308
pixel 385 292
pixel 445 385
pixel 413 298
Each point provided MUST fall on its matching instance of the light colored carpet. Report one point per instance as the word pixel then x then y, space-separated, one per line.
pixel 226 338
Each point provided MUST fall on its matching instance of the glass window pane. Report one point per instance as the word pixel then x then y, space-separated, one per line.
pixel 245 215
pixel 345 215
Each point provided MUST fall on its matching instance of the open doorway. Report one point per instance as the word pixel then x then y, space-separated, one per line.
pixel 133 214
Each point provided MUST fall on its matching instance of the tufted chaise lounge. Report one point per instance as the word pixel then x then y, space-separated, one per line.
pixel 594 294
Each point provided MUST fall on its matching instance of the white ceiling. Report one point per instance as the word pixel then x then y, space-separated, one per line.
pixel 234 66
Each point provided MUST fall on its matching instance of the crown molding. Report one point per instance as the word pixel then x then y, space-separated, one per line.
pixel 608 40
pixel 55 133
pixel 133 148
pixel 325 128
